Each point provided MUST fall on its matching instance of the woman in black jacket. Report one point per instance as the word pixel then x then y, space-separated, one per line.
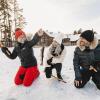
pixel 28 70
pixel 84 58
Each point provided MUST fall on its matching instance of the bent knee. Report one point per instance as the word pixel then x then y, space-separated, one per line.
pixel 18 82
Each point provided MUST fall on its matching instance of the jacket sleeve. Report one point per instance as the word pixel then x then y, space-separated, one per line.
pixel 47 58
pixel 76 65
pixel 34 41
pixel 60 58
pixel 10 55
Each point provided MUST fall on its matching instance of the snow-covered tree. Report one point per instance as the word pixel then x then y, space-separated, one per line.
pixel 10 18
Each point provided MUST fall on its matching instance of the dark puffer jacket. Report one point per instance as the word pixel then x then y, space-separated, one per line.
pixel 84 57
pixel 24 52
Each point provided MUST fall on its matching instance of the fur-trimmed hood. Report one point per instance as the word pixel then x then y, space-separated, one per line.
pixel 92 45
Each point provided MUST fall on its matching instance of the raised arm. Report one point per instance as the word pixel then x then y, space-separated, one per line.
pixel 36 38
pixel 34 41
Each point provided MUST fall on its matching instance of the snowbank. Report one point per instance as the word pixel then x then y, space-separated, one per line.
pixel 42 88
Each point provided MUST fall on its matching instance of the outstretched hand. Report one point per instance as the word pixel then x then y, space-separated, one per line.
pixel 4 49
pixel 40 32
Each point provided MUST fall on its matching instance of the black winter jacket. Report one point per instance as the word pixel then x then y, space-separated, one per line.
pixel 24 52
pixel 84 59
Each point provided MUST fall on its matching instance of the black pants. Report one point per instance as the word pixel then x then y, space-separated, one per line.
pixel 96 79
pixel 86 74
pixel 48 70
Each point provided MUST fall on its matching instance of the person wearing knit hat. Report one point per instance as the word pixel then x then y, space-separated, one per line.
pixel 28 70
pixel 87 40
pixel 84 60
pixel 88 35
pixel 54 57
pixel 20 35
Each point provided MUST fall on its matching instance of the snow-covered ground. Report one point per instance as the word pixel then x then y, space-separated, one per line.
pixel 42 88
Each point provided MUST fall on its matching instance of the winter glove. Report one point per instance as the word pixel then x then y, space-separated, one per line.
pixel 4 49
pixel 55 55
pixel 49 62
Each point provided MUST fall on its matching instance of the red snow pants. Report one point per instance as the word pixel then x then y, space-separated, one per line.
pixel 26 76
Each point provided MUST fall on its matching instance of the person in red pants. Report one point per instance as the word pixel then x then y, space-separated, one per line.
pixel 28 70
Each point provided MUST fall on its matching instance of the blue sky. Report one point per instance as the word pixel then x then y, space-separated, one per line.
pixel 61 15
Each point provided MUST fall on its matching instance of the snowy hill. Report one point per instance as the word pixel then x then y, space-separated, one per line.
pixel 42 88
